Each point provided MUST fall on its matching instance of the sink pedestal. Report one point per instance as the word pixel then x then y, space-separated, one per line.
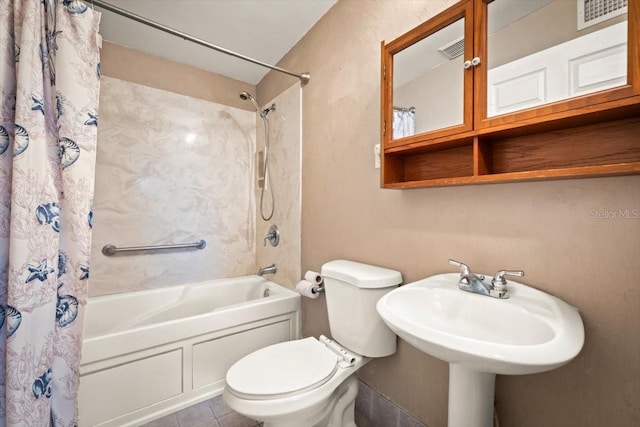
pixel 528 333
pixel 470 397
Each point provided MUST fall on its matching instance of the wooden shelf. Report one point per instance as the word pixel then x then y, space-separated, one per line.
pixel 564 173
pixel 600 149
pixel 601 144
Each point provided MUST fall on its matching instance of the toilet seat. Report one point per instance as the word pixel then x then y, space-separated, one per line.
pixel 282 370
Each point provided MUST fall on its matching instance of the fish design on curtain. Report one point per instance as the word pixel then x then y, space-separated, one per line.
pixel 49 88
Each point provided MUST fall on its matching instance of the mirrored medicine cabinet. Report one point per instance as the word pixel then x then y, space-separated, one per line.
pixel 503 90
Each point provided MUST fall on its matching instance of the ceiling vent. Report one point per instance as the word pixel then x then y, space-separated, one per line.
pixel 453 49
pixel 591 12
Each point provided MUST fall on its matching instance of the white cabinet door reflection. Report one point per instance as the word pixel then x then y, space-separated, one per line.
pixel 584 65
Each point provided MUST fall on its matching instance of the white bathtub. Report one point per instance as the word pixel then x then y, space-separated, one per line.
pixel 147 354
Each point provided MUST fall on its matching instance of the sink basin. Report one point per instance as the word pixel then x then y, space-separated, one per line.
pixel 529 332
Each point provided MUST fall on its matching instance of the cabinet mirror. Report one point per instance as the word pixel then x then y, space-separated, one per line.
pixel 543 51
pixel 511 90
pixel 428 82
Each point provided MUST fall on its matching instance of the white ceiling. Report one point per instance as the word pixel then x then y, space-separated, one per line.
pixel 261 29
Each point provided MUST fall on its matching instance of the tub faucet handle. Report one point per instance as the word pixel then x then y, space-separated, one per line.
pixel 273 236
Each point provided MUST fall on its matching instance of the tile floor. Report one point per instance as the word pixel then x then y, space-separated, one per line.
pixel 210 413
pixel 372 410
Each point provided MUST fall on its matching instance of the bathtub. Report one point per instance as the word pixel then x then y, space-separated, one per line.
pixel 149 353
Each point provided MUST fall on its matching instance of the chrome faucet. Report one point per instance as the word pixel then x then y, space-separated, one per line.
pixel 270 269
pixel 495 287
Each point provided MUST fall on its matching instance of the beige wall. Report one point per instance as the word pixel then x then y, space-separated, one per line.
pixel 547 229
pixel 142 68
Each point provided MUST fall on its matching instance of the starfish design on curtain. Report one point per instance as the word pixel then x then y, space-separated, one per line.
pixel 40 272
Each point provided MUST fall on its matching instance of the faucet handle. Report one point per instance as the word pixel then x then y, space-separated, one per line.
pixel 499 280
pixel 273 236
pixel 464 268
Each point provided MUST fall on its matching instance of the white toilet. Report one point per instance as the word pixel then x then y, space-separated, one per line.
pixel 311 382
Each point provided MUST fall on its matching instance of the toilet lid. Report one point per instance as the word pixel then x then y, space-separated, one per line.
pixel 282 369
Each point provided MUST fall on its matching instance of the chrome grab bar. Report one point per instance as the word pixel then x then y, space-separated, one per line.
pixel 109 250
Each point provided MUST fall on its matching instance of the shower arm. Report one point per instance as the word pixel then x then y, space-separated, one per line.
pixel 304 77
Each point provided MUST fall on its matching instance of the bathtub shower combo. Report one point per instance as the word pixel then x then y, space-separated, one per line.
pixel 149 353
pixel 170 348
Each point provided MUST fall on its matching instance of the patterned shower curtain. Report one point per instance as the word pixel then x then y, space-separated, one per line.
pixel 403 122
pixel 49 86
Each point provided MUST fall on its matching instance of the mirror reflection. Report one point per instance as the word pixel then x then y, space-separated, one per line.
pixel 428 83
pixel 542 51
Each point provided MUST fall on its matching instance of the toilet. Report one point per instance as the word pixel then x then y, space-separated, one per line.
pixel 311 382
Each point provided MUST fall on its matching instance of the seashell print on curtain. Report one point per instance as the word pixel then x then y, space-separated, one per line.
pixel 49 87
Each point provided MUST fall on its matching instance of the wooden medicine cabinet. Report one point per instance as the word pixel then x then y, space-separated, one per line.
pixel 499 90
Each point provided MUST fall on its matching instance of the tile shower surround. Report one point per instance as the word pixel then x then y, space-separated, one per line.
pixel 171 169
pixel 372 410
pixel 285 137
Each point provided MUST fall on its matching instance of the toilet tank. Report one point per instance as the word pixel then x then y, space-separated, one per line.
pixel 352 290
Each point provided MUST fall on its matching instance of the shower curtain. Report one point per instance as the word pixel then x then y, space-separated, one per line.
pixel 49 86
pixel 403 123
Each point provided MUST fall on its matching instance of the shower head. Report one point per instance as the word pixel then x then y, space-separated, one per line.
pixel 263 113
pixel 247 96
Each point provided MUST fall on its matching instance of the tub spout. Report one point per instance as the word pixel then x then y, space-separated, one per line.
pixel 271 269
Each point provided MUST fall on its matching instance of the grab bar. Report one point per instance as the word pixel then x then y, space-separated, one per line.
pixel 109 250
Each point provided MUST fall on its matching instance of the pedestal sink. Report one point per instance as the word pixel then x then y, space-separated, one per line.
pixel 480 336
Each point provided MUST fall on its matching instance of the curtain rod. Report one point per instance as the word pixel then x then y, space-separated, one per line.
pixel 405 109
pixel 304 77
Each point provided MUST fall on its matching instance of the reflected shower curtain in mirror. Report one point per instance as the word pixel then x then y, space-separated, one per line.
pixel 403 122
pixel 49 86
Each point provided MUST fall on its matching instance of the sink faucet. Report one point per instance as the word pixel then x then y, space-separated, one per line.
pixel 495 287
pixel 270 269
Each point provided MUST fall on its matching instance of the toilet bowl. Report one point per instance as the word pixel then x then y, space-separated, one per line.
pixel 311 382
pixel 292 381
